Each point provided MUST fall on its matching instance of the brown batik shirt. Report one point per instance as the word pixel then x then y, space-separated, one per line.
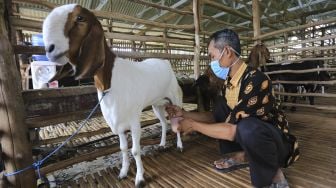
pixel 255 99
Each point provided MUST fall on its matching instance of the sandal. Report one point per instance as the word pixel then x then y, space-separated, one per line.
pixel 281 184
pixel 233 165
pixel 220 161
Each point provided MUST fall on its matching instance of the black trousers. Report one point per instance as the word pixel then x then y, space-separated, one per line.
pixel 262 143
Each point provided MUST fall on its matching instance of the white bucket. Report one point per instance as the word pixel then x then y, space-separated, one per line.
pixel 42 72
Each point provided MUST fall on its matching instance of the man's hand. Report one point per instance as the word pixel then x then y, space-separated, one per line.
pixel 186 126
pixel 174 111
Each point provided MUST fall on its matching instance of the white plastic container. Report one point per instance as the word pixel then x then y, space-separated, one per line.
pixel 42 72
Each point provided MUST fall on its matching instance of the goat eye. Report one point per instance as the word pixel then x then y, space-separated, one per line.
pixel 80 19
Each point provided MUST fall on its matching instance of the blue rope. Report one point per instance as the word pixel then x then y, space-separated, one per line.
pixel 38 163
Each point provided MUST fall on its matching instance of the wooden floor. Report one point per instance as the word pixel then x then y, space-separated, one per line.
pixel 193 167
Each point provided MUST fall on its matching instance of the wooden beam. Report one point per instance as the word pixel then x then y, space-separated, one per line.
pixel 227 9
pixel 148 38
pixel 330 82
pixel 50 102
pixel 224 23
pixel 38 2
pixel 318 107
pixel 166 18
pixel 256 20
pixel 302 41
pixel 40 50
pixel 281 31
pixel 3 22
pixel 302 59
pixel 156 55
pixel 26 23
pixel 281 18
pixel 301 71
pixel 33 25
pixel 184 12
pixel 304 50
pixel 234 12
pixel 147 3
pixel 328 95
pixel 118 16
pixel 196 11
pixel 16 150
pixel 240 37
pixel 19 49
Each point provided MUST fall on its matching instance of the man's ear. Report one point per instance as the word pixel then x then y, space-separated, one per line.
pixel 228 51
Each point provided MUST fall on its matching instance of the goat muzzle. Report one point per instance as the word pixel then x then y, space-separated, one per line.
pixel 64 71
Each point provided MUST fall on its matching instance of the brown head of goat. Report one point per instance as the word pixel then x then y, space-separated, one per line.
pixel 74 38
pixel 259 56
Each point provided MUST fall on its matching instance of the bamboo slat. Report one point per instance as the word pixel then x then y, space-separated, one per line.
pixel 318 107
pixel 193 168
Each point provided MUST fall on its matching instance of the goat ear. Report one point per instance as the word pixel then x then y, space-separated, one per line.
pixel 91 55
pixel 260 59
pixel 66 70
pixel 253 59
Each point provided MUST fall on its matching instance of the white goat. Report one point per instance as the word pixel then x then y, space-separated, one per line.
pixel 75 39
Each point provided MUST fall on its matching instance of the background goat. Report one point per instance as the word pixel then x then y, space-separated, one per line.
pixel 210 87
pixel 74 38
pixel 260 55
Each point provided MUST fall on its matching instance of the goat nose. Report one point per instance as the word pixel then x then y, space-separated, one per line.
pixel 51 48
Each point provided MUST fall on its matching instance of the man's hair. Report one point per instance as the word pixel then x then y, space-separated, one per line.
pixel 226 37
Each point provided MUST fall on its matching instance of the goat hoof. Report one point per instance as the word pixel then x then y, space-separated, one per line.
pixel 121 177
pixel 180 149
pixel 162 148
pixel 140 184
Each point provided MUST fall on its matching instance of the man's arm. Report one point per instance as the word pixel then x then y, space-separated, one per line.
pixel 176 111
pixel 226 131
pixel 205 117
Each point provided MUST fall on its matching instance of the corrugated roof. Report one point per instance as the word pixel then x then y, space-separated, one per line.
pixel 274 14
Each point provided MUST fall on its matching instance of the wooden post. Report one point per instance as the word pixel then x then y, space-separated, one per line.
pixel 303 36
pixel 133 46
pixel 314 34
pixel 166 44
pixel 16 149
pixel 256 20
pixel 196 11
pixel 322 42
pixel 110 22
pixel 286 47
pixel 333 43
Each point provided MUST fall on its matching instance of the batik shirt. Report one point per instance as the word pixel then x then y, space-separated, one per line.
pixel 255 99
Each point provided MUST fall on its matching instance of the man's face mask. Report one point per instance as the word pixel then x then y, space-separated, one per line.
pixel 221 72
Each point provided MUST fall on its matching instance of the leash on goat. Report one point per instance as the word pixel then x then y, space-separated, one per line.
pixel 38 163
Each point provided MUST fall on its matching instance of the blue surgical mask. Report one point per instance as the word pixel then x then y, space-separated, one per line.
pixel 221 72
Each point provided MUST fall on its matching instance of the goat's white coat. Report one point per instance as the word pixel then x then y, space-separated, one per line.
pixel 134 86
